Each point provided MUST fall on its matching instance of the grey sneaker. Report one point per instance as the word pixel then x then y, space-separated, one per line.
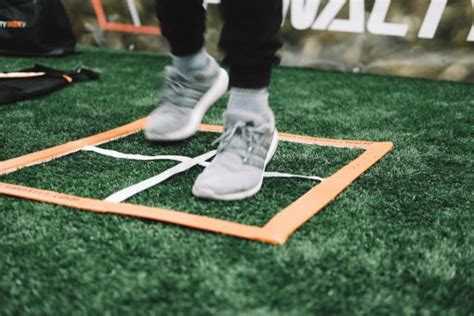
pixel 245 148
pixel 184 101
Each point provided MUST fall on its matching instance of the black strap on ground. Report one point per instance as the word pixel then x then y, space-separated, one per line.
pixel 39 80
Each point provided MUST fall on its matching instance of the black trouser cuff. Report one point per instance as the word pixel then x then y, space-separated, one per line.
pixel 250 78
pixel 188 46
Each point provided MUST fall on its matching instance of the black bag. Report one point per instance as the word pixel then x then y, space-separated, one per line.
pixel 35 27
pixel 39 80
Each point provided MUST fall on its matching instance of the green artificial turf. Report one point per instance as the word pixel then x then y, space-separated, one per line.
pixel 398 241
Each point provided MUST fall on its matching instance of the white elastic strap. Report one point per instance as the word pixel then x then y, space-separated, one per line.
pixel 119 155
pixel 288 175
pixel 126 193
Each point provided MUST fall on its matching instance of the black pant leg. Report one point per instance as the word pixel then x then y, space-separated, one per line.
pixel 183 23
pixel 250 39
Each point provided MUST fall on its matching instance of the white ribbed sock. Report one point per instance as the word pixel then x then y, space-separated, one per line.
pixel 249 100
pixel 192 62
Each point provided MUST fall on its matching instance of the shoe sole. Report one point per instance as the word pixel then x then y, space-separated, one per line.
pixel 209 194
pixel 209 98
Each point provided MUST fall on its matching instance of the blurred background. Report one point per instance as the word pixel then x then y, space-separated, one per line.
pixel 424 38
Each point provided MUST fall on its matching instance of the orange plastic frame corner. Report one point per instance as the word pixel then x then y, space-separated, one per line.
pixel 120 27
pixel 276 231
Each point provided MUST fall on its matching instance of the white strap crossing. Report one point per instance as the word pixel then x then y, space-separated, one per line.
pixel 186 163
pixel 126 193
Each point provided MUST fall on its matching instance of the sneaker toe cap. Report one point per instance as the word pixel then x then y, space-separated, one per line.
pixel 163 124
pixel 216 184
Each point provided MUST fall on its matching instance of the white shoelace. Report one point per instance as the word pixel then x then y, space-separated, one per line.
pixel 248 133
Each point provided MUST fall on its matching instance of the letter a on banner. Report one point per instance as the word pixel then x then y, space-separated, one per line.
pixel 377 24
pixel 356 21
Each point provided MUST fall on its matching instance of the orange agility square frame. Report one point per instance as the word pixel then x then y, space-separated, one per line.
pixel 276 231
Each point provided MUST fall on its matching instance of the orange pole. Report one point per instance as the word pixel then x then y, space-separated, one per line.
pixel 120 27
